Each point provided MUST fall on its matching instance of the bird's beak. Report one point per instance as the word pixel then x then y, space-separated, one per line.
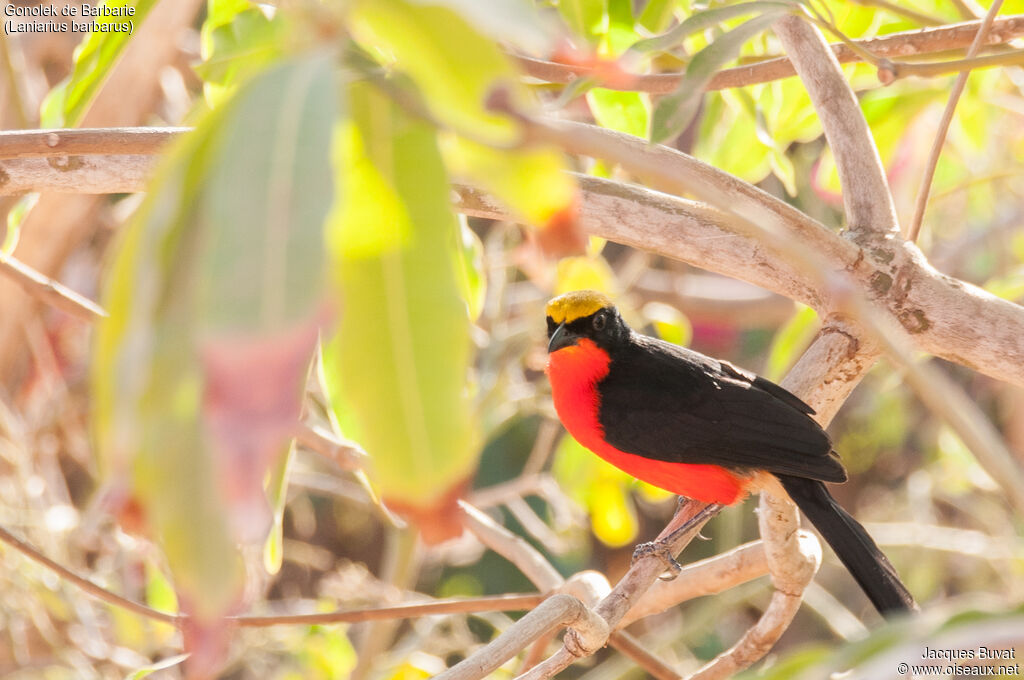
pixel 562 337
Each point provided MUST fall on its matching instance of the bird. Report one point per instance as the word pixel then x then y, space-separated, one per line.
pixel 701 428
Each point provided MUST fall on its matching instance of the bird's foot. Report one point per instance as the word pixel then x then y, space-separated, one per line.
pixel 663 552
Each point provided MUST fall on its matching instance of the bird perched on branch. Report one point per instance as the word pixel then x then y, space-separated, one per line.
pixel 701 428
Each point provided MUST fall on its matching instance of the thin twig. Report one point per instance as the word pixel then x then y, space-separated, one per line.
pixel 706 577
pixel 85 584
pixel 467 605
pixel 49 291
pixel 513 548
pixel 921 202
pixel 634 649
pixel 627 591
pixel 556 612
pixel 909 43
pixel 346 453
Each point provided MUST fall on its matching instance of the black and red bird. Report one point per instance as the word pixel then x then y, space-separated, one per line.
pixel 701 428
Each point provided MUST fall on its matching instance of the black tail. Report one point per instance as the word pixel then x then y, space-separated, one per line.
pixel 855 549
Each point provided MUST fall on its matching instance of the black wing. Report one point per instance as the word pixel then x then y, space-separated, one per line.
pixel 668 403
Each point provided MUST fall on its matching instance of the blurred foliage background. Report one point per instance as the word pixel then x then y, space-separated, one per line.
pixel 347 122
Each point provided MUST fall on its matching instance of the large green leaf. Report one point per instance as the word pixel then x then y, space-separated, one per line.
pixel 456 69
pixel 215 295
pixel 397 370
pixel 94 59
pixel 238 38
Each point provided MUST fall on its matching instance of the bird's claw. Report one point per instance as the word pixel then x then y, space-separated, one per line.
pixel 660 550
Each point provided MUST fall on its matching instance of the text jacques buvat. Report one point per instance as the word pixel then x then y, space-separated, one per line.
pixel 68 19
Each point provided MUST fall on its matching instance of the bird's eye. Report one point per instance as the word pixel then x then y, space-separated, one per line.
pixel 599 321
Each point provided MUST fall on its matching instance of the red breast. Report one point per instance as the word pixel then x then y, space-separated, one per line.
pixel 575 373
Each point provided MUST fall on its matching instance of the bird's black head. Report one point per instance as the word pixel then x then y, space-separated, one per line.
pixel 584 314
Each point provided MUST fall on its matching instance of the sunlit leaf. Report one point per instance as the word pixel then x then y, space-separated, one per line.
pixel 585 18
pixel 600 487
pixel 469 268
pixel 277 495
pixel 161 665
pixel 215 299
pixel 675 111
pixel 790 341
pixel 94 60
pixel 396 371
pixel 514 22
pixel 326 652
pixel 627 112
pixel 532 182
pixel 585 273
pixel 670 324
pixel 457 70
pixel 706 19
pixel 656 14
pixel 237 38
pixel 454 66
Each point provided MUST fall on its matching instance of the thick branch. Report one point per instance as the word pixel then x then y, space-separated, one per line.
pixel 869 204
pixel 124 141
pixel 84 174
pixel 942 315
pixel 555 612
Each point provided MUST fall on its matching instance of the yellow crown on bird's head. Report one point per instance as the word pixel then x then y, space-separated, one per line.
pixel 568 307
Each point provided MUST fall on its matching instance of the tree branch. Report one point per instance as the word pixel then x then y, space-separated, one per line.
pixel 905 44
pixel 49 291
pixel 866 196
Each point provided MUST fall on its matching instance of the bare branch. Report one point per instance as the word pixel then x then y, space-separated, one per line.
pixel 49 291
pixel 869 205
pixel 346 453
pixel 706 577
pixel 634 649
pixel 556 612
pixel 613 607
pixel 84 174
pixel 455 605
pixel 123 141
pixel 905 44
pixel 513 548
pixel 84 583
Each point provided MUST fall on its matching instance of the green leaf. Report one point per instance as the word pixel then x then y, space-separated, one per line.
pixel 657 14
pixel 670 324
pixel 790 341
pixel 623 111
pixel 396 371
pixel 601 488
pixel 585 18
pixel 674 112
pixel 161 665
pixel 515 22
pixel 237 39
pixel 277 494
pixel 707 19
pixel 94 59
pixel 456 68
pixel 585 272
pixel 469 268
pixel 531 181
pixel 214 294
